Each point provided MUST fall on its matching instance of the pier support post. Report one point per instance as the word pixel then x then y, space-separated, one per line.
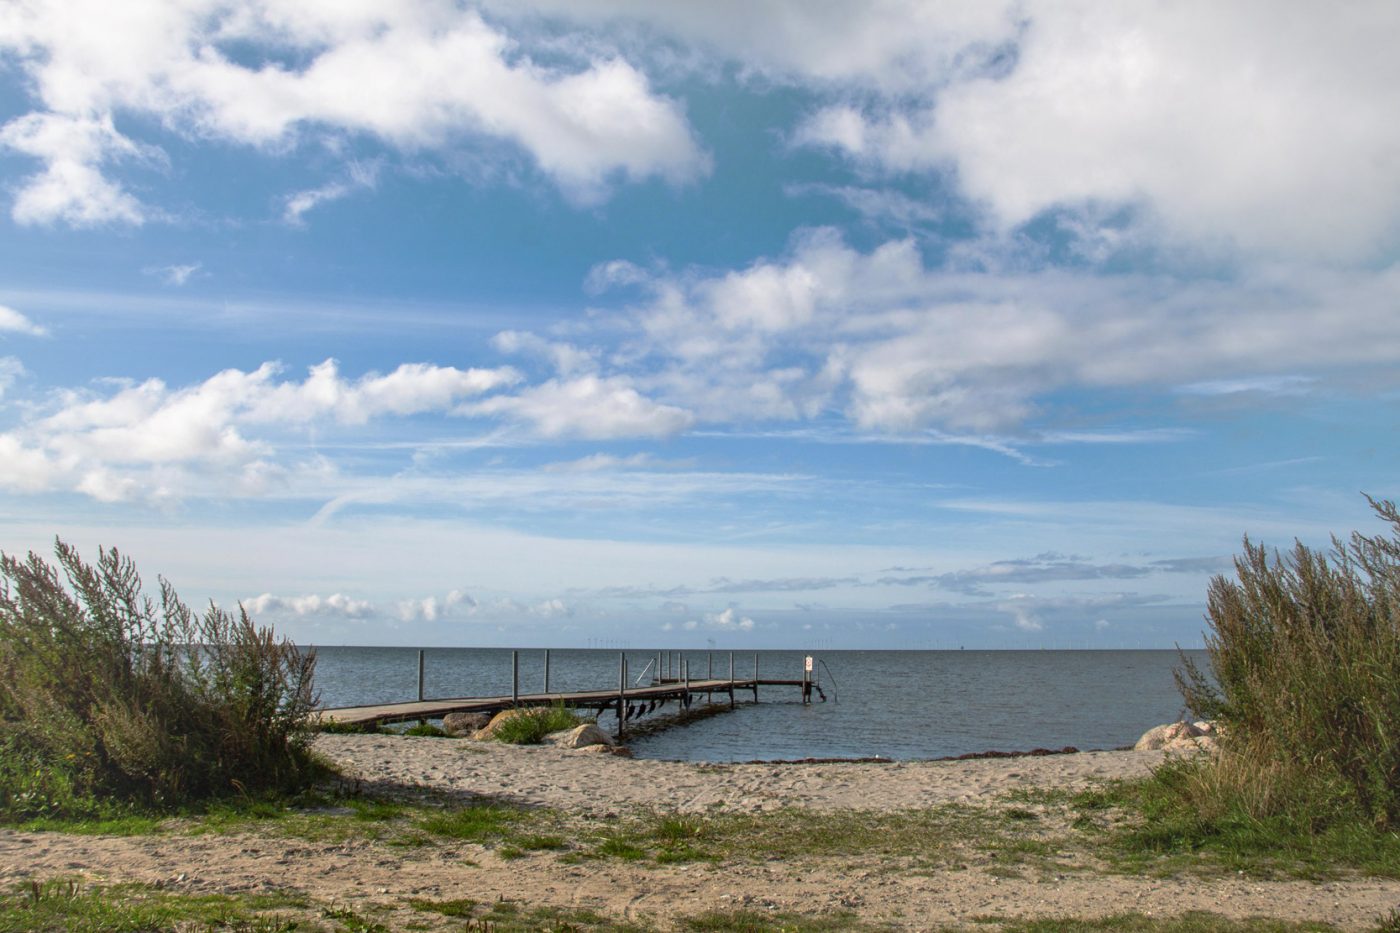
pixel 621 694
pixel 546 670
pixel 755 676
pixel 685 683
pixel 420 675
pixel 515 678
pixel 731 680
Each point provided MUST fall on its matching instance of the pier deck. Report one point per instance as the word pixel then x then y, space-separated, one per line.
pixel 615 699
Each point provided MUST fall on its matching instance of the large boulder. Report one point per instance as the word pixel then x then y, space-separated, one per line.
pixel 1178 736
pixel 460 724
pixel 581 736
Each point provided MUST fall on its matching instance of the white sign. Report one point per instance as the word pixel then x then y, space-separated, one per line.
pixel 808 663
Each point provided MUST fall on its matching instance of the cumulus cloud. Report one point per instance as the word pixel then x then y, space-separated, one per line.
pixel 589 407
pixel 900 346
pixel 213 423
pixel 336 604
pixel 71 187
pixel 13 322
pixel 1172 108
pixel 417 76
pixel 893 45
pixel 727 621
pixel 431 608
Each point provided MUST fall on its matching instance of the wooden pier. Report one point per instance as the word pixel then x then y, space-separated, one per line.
pixel 626 702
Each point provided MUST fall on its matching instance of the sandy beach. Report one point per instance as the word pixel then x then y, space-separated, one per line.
pixel 591 788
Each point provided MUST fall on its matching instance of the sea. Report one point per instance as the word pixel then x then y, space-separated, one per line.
pixel 900 705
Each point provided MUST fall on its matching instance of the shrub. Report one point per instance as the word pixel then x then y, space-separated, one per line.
pixel 106 693
pixel 530 726
pixel 1304 673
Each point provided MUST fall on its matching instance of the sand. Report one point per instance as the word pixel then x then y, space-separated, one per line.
pixel 595 787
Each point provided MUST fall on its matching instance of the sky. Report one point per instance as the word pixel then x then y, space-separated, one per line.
pixel 784 323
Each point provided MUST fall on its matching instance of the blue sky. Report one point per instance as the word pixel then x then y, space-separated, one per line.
pixel 777 324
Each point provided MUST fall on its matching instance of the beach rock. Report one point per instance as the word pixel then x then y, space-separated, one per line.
pixel 489 731
pixel 621 751
pixel 582 736
pixel 1178 736
pixel 460 724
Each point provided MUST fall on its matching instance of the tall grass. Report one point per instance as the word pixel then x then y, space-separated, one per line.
pixel 1304 677
pixel 530 726
pixel 108 694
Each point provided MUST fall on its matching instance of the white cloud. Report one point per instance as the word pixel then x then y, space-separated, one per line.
pixel 360 176
pixel 176 275
pixel 209 425
pixel 590 407
pixel 567 359
pixel 431 608
pixel 901 347
pixel 896 45
pixel 1023 613
pixel 71 187
pixel 727 621
pixel 1176 108
pixel 600 463
pixel 551 609
pixel 416 76
pixel 12 321
pixel 1263 385
pixel 336 604
pixel 24 468
pixel 10 371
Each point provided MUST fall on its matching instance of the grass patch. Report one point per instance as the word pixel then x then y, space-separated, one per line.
pixel 923 839
pixel 1152 825
pixel 1190 922
pixel 759 921
pixel 509 917
pixel 530 726
pixel 70 906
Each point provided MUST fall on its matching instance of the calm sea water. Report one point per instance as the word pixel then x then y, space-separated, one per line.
pixel 895 704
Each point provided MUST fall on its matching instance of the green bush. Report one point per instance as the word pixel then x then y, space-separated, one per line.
pixel 530 726
pixel 106 694
pixel 1304 675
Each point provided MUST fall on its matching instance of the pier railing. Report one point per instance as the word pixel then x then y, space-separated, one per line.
pixel 671 681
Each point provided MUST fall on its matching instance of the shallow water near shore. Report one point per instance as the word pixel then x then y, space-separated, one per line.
pixel 902 705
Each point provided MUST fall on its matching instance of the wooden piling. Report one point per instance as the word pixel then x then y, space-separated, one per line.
pixel 621 695
pixel 546 670
pixel 731 680
pixel 420 675
pixel 515 678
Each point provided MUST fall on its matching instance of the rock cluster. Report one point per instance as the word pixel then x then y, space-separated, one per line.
pixel 1179 736
pixel 459 725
